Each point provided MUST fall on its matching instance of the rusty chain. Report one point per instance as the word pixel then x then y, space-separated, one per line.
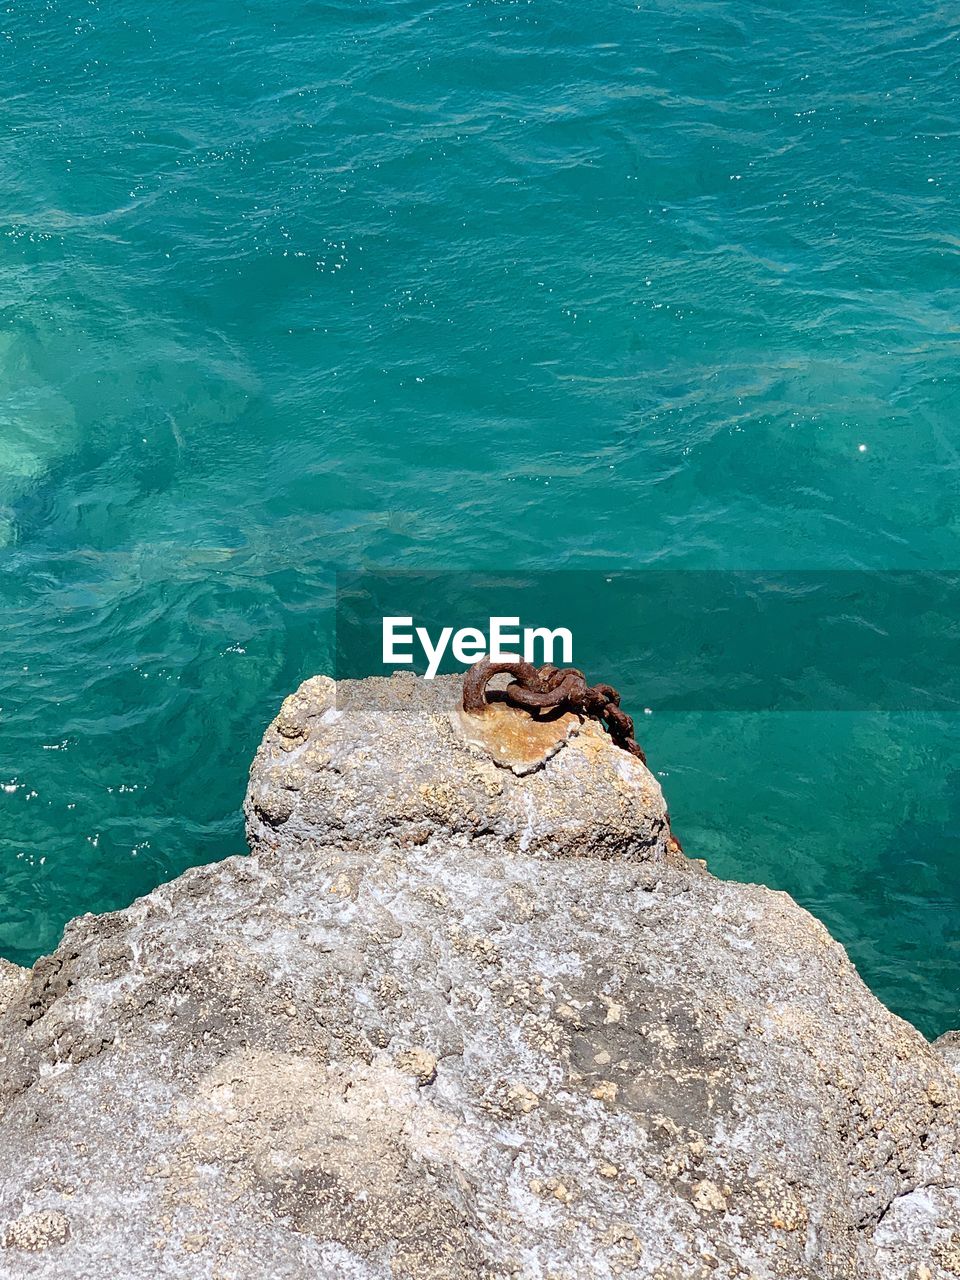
pixel 552 689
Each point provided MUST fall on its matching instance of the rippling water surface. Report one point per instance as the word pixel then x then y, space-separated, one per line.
pixel 467 284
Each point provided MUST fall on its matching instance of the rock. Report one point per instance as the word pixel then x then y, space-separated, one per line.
pixel 12 978
pixel 419 1063
pixel 949 1046
pixel 35 1232
pixel 396 758
pixel 452 1022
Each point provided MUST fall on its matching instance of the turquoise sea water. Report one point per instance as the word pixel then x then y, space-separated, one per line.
pixel 466 285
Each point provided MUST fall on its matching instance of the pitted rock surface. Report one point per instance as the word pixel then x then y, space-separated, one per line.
pixel 406 1055
pixel 396 757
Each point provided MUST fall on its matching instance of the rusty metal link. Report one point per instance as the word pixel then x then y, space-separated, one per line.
pixel 551 689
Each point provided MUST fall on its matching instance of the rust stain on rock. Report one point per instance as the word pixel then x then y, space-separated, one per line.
pixel 515 739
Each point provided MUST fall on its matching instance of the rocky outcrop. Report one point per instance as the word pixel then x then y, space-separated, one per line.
pixel 396 759
pixel 465 1012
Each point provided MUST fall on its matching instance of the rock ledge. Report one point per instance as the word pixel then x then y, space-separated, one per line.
pixel 451 1021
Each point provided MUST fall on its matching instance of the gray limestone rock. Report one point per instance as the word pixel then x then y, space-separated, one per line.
pixel 395 758
pixel 463 1015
